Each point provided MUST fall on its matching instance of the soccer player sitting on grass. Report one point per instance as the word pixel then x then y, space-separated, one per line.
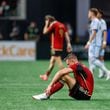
pixel 58 33
pixel 80 86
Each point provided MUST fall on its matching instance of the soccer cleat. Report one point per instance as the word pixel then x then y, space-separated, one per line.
pixel 108 76
pixel 44 77
pixel 101 75
pixel 42 96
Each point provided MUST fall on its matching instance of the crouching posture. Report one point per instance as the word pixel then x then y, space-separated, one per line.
pixel 80 86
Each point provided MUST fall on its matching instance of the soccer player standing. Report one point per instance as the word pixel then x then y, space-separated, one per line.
pixel 104 40
pixel 80 86
pixel 94 45
pixel 58 33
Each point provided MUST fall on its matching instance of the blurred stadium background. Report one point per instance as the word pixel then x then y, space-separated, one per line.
pixel 73 13
pixel 20 80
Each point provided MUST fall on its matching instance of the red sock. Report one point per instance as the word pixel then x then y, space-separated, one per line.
pixel 56 87
pixel 47 73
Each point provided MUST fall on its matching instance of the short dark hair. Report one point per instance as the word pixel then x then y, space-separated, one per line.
pixel 101 12
pixel 94 10
pixel 50 17
pixel 70 56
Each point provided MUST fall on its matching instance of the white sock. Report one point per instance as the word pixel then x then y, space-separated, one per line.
pixel 101 73
pixel 101 66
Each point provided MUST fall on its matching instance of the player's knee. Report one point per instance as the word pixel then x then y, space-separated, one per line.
pixel 92 60
pixel 64 78
pixel 60 64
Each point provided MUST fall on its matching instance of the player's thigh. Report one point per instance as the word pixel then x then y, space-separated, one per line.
pixel 94 51
pixel 102 52
pixel 70 81
pixel 91 51
pixel 59 61
pixel 97 51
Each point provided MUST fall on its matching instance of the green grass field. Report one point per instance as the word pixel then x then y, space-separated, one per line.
pixel 20 80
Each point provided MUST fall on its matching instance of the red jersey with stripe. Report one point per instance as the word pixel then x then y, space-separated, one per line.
pixel 86 83
pixel 57 31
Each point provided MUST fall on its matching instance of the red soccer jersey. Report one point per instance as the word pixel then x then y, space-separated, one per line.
pixel 57 30
pixel 88 83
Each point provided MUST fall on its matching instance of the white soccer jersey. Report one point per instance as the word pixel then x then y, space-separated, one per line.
pixel 103 28
pixel 103 25
pixel 96 25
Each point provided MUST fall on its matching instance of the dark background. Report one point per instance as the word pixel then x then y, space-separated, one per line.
pixel 63 10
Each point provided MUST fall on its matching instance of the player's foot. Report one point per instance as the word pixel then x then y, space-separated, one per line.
pixel 101 75
pixel 44 77
pixel 42 96
pixel 108 76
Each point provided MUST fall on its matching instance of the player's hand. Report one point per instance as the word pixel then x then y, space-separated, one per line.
pixel 47 22
pixel 87 45
pixel 48 90
pixel 69 48
pixel 104 45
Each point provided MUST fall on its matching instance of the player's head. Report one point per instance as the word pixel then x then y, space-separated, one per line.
pixel 50 18
pixel 32 24
pixel 71 59
pixel 92 13
pixel 100 13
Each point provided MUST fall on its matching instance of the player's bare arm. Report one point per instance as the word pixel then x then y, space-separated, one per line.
pixel 57 76
pixel 90 39
pixel 45 30
pixel 69 47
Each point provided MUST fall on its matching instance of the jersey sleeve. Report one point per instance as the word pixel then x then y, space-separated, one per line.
pixel 104 26
pixel 95 25
pixel 73 67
